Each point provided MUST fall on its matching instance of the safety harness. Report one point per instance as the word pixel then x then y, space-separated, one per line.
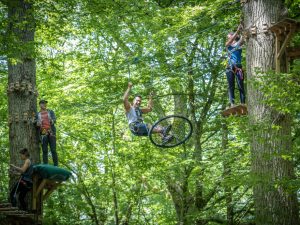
pixel 233 67
pixel 134 125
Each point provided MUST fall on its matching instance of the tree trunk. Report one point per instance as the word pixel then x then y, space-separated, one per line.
pixel 21 90
pixel 227 173
pixel 113 175
pixel 274 204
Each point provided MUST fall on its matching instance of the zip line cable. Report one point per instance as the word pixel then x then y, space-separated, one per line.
pixel 201 32
pixel 181 38
pixel 184 37
pixel 165 61
pixel 182 65
pixel 162 79
pixel 128 72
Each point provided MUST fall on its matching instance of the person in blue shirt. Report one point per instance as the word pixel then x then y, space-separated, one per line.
pixel 234 65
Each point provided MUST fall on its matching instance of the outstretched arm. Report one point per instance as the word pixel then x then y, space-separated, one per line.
pixel 125 97
pixel 23 168
pixel 229 42
pixel 149 105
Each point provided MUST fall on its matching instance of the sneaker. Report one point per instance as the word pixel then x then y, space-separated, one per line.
pixel 167 139
pixel 166 130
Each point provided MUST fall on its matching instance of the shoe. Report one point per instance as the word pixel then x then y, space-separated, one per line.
pixel 167 139
pixel 166 130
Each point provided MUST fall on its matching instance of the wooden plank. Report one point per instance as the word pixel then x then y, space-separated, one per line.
pixel 286 40
pixel 34 196
pixel 238 110
pixel 277 49
pixel 17 212
pixel 10 212
pixel 9 209
pixel 287 59
pixel 23 214
pixel 4 205
pixel 284 24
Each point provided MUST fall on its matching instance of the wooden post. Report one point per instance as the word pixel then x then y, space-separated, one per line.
pixel 277 47
pixel 34 197
pixel 284 31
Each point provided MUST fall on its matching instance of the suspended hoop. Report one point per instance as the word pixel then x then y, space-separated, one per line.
pixel 181 130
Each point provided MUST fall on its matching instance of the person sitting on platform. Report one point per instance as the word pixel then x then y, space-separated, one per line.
pixel 45 122
pixel 234 66
pixel 135 118
pixel 24 184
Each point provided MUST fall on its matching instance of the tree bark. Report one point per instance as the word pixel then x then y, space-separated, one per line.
pixel 274 204
pixel 227 172
pixel 21 90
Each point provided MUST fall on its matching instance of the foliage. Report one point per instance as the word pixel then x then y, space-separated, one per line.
pixel 87 51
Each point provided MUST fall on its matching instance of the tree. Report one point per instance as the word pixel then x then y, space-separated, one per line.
pixel 271 135
pixel 22 93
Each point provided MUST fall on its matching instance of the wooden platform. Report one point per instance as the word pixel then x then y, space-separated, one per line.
pixel 285 25
pixel 284 30
pixel 14 215
pixel 237 110
pixel 42 188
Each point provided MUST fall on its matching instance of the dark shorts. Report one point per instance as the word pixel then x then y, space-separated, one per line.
pixel 139 129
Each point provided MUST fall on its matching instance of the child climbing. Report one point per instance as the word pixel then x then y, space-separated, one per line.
pixel 234 66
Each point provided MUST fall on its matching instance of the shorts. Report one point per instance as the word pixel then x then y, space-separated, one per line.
pixel 139 129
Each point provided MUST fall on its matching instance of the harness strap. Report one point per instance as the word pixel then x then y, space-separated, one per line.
pixel 133 127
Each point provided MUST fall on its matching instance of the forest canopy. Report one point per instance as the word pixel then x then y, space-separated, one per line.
pixel 85 53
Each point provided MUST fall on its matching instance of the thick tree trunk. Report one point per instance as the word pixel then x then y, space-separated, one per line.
pixel 21 90
pixel 274 204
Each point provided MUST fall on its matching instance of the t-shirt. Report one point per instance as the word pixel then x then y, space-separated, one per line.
pixel 45 121
pixel 235 53
pixel 134 115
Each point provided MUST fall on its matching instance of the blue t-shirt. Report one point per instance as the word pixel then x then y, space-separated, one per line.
pixel 235 53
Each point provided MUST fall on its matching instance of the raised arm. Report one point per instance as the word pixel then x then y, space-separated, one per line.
pixel 125 97
pixel 232 38
pixel 149 105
